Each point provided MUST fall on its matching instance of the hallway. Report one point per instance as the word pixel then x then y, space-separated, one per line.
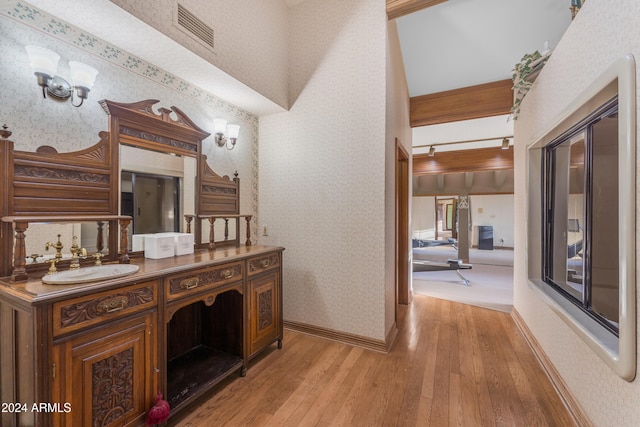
pixel 451 364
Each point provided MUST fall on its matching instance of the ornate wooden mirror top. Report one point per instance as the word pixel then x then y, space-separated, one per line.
pixel 47 186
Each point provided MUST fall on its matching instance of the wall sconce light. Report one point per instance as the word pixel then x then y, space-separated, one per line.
pixel 44 64
pixel 505 144
pixel 225 134
pixel 432 151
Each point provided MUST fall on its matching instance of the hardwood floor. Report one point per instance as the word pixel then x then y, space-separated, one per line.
pixel 451 365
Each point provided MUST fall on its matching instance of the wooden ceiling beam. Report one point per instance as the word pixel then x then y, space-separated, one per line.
pixel 474 160
pixel 472 102
pixel 397 8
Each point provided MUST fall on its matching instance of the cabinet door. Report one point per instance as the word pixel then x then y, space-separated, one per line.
pixel 107 376
pixel 265 317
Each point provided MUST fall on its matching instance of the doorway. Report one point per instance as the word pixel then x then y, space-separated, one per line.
pixel 403 260
pixel 446 218
pixel 153 201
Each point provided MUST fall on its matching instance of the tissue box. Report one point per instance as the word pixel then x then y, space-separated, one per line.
pixel 137 242
pixel 183 242
pixel 158 246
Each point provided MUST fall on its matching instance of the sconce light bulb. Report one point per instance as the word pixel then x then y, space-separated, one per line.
pixel 233 131
pixel 219 126
pixel 42 60
pixel 82 75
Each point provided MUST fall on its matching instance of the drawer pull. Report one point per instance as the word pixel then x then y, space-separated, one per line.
pixel 113 305
pixel 265 263
pixel 190 283
pixel 227 274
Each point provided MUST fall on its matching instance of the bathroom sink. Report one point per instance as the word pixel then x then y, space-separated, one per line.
pixel 90 274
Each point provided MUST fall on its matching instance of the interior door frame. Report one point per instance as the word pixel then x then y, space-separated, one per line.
pixel 402 246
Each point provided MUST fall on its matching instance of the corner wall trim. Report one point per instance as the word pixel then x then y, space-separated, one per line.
pixel 351 339
pixel 579 416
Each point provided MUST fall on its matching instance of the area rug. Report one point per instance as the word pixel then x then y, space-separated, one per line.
pixel 491 286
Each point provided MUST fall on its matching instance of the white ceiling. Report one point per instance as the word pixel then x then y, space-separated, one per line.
pixel 462 43
pixel 111 23
pixel 454 44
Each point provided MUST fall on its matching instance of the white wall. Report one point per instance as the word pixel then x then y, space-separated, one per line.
pixel 322 168
pixel 495 210
pixel 423 217
pixel 603 31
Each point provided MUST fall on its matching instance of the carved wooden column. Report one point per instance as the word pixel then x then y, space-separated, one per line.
pixel 19 253
pixel 463 227
pixel 248 219
pixel 100 238
pixel 212 244
pixel 6 174
pixel 124 242
pixel 188 219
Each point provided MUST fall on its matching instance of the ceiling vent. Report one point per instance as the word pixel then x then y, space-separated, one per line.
pixel 190 22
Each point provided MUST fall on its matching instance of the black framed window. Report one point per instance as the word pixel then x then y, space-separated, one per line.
pixel 580 227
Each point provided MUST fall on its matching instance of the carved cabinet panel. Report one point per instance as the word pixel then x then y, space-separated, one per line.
pixel 181 285
pixel 265 305
pixel 86 311
pixel 107 377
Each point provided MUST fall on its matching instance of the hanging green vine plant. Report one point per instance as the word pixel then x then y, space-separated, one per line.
pixel 524 75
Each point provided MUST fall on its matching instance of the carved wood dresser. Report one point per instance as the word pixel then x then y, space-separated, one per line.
pixel 98 353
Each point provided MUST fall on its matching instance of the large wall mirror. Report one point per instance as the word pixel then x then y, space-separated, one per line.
pixel 164 175
pixel 156 189
pixel 76 199
pixel 581 225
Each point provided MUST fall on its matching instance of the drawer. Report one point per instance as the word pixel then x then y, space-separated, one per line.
pixel 195 281
pixel 89 310
pixel 262 263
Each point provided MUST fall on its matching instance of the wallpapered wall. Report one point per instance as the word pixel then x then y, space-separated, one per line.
pixel 398 128
pixel 250 37
pixel 322 168
pixel 603 31
pixel 122 77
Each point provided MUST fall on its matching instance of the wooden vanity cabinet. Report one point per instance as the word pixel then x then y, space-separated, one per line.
pixel 107 376
pixel 264 299
pixel 99 353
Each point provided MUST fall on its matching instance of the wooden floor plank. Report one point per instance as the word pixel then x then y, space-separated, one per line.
pixel 451 365
pixel 481 389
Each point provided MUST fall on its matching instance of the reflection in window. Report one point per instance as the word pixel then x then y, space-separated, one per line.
pixel 580 219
